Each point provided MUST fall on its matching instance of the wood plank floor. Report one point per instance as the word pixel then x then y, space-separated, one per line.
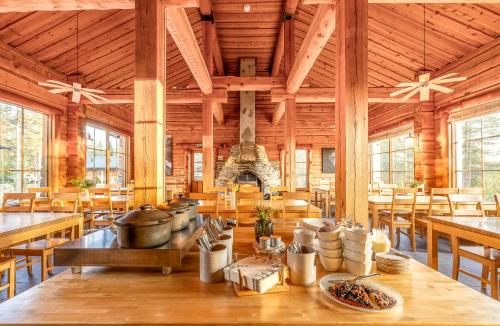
pixel 25 281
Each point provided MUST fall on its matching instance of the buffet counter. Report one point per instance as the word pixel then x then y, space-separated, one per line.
pixel 102 296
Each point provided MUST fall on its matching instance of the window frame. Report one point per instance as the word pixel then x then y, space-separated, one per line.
pixel 307 162
pixel 107 152
pixel 45 171
pixel 194 163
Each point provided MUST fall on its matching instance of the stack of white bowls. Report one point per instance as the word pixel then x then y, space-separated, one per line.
pixel 330 251
pixel 358 251
pixel 304 237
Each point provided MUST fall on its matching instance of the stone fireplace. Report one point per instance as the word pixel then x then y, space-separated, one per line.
pixel 246 160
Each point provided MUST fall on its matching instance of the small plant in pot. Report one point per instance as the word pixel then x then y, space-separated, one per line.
pixel 83 183
pixel 264 224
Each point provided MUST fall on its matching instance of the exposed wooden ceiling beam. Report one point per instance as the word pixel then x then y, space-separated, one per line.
pixel 180 29
pixel 278 113
pixel 320 30
pixel 218 112
pixel 68 5
pixel 206 10
pixel 327 95
pixel 235 83
pixel 315 2
pixel 290 8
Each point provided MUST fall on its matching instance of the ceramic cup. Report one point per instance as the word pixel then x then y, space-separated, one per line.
pixel 227 241
pixel 302 266
pixel 212 264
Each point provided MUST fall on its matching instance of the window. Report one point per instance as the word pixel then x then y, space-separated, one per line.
pixel 198 166
pixel 392 161
pixel 23 149
pixel 301 168
pixel 476 154
pixel 107 156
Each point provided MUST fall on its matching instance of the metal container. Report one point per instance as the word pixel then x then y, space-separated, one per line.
pixel 143 228
pixel 212 264
pixel 180 212
pixel 302 266
pixel 227 241
pixel 193 206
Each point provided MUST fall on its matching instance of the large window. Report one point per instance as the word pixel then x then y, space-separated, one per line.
pixel 197 166
pixel 392 160
pixel 476 151
pixel 23 149
pixel 301 163
pixel 107 156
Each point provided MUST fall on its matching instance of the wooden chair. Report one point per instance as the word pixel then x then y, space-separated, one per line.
pixel 101 207
pixel 221 191
pixel 295 209
pixel 249 188
pixel 497 204
pixel 115 188
pixel 466 205
pixel 18 202
pixel 401 215
pixel 439 205
pixel 66 203
pixel 471 191
pixel 387 188
pixel 8 264
pixel 245 202
pixel 373 189
pixel 42 199
pixel 211 200
pixel 279 190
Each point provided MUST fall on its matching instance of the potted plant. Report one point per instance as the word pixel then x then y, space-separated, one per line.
pixel 82 183
pixel 416 183
pixel 264 224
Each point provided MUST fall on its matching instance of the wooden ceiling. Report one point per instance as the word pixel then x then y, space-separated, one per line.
pixel 106 40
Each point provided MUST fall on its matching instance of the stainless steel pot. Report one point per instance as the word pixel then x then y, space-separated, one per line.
pixel 143 228
pixel 193 206
pixel 180 212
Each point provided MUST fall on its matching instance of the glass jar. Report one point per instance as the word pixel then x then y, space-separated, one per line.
pixel 381 242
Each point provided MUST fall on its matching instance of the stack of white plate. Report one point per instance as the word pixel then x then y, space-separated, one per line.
pixel 358 251
pixel 391 263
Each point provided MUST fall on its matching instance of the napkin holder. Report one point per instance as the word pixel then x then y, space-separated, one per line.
pixel 242 291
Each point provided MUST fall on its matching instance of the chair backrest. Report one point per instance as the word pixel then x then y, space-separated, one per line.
pixel 277 192
pixel 403 200
pixel 466 205
pixel 69 190
pixel 65 202
pixel 38 191
pixel 210 199
pixel 471 191
pixel 387 188
pixel 291 206
pixel 249 188
pixel 115 188
pixel 100 198
pixel 221 191
pixel 497 203
pixel 245 202
pixel 18 202
pixel 439 203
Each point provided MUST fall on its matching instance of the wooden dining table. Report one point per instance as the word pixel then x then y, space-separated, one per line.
pixel 123 296
pixel 227 208
pixel 122 202
pixel 19 227
pixel 481 230
pixel 376 203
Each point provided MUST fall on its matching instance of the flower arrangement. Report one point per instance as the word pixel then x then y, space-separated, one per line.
pixel 264 224
pixel 232 187
pixel 83 183
pixel 416 183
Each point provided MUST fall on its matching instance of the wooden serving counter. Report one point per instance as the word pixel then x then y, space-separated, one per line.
pixel 103 296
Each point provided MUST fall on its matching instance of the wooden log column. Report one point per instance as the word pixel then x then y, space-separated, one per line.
pixel 424 144
pixel 149 102
pixel 351 111
pixel 441 149
pixel 290 106
pixel 76 141
pixel 208 145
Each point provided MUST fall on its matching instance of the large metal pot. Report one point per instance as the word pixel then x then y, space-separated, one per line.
pixel 180 212
pixel 193 205
pixel 143 228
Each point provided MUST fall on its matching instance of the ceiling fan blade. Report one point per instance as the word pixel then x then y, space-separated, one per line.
pixel 58 83
pixel 96 99
pixel 92 90
pixel 424 94
pixel 406 84
pixel 49 85
pixel 410 94
pixel 449 80
pixel 59 90
pixel 440 88
pixel 404 90
pixel 446 76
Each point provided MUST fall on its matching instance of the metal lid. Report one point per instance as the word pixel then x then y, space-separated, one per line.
pixel 190 202
pixel 144 216
pixel 180 207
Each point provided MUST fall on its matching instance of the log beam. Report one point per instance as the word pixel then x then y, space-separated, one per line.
pixel 278 113
pixel 208 145
pixel 351 111
pixel 188 96
pixel 290 110
pixel 149 106
pixel 290 8
pixel 206 11
pixel 180 29
pixel 320 31
pixel 218 112
pixel 316 2
pixel 241 83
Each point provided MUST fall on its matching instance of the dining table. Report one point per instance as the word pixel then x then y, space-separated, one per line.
pixel 480 230
pixel 122 202
pixel 227 208
pixel 18 227
pixel 139 296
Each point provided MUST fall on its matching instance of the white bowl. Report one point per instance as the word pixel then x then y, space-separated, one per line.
pixel 303 236
pixel 358 268
pixel 358 257
pixel 337 244
pixel 331 264
pixel 364 247
pixel 360 235
pixel 331 253
pixel 332 235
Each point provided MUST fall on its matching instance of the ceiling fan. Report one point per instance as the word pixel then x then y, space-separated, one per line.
pixel 76 89
pixel 425 83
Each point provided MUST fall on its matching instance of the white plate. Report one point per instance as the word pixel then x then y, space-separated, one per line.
pixel 325 283
pixel 313 224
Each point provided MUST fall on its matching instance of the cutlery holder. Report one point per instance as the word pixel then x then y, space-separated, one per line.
pixel 302 266
pixel 227 241
pixel 228 230
pixel 212 264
